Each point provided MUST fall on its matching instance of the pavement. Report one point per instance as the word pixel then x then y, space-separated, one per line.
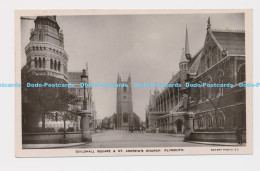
pixel 48 146
pixel 125 139
pixel 216 143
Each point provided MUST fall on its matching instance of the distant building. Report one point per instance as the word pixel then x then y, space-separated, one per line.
pixel 221 60
pixel 124 118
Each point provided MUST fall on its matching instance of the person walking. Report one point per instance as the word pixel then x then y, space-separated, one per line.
pixel 239 133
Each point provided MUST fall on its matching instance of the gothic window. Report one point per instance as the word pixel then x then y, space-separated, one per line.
pixel 40 62
pixel 218 79
pixel 209 120
pixel 207 59
pixel 44 63
pixel 59 66
pixel 215 54
pixel 55 65
pixel 221 119
pixel 35 62
pixel 51 63
pixel 125 118
pixel 206 91
pixel 200 121
pixel 40 36
pixel 241 74
pixel 210 57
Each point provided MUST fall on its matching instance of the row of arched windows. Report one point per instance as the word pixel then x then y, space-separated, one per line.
pixel 207 120
pixel 55 65
pixel 39 62
pixel 204 93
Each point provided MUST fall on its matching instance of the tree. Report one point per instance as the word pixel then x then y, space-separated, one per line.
pixel 67 101
pixel 37 102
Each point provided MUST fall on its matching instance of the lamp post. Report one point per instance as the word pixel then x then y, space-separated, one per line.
pixel 189 117
pixel 85 115
pixel 84 79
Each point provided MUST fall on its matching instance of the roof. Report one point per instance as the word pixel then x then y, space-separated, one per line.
pixel 195 62
pixel 52 18
pixel 232 41
pixel 74 77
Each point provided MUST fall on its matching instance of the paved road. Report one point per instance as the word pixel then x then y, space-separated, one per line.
pixel 121 139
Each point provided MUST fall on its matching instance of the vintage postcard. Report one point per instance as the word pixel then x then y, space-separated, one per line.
pixel 133 82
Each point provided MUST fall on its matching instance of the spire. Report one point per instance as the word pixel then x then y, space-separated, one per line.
pixel 118 78
pixel 187 48
pixel 209 24
pixel 129 78
pixel 87 68
pixel 183 57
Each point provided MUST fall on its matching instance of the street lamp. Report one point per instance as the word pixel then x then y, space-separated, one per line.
pixel 84 79
pixel 85 115
pixel 188 80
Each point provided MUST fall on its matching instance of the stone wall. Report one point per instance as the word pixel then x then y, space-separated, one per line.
pixel 215 136
pixel 51 138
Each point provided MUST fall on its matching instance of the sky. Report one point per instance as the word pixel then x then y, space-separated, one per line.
pixel 146 46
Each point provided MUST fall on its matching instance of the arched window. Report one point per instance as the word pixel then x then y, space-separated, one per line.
pixel 221 119
pixel 207 59
pixel 35 62
pixel 206 91
pixel 40 36
pixel 218 79
pixel 125 118
pixel 44 63
pixel 40 62
pixel 200 121
pixel 209 120
pixel 59 66
pixel 55 65
pixel 241 76
pixel 51 63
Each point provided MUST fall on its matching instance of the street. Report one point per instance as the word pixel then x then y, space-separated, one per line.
pixel 124 139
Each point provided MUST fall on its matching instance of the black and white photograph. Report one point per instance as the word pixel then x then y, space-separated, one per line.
pixel 133 83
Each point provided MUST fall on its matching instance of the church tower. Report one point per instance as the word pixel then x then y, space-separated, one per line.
pixel 45 51
pixel 124 104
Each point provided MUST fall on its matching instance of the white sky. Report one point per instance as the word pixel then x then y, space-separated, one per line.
pixel 147 46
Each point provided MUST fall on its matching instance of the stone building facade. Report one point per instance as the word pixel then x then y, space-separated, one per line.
pixel 124 118
pixel 45 52
pixel 221 60
pixel 75 78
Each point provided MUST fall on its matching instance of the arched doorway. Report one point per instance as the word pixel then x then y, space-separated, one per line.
pixel 179 126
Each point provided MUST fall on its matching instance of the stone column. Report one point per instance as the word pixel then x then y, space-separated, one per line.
pixel 47 64
pixel 188 125
pixel 84 126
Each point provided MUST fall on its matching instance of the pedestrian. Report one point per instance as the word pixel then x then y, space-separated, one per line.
pixel 239 133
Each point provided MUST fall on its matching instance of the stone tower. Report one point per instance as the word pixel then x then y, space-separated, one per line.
pixel 45 51
pixel 124 104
